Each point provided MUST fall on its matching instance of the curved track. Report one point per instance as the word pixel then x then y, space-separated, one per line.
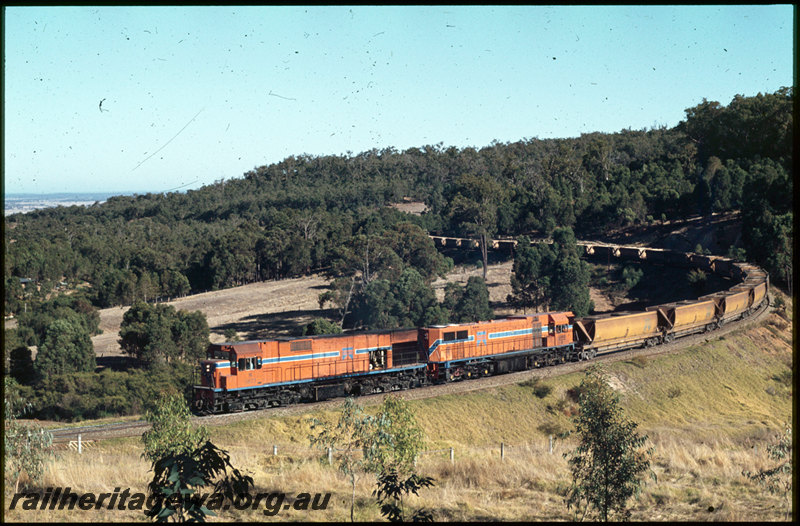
pixel 135 428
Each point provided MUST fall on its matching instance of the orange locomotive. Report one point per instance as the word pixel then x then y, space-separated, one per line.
pixel 255 374
pixel 515 343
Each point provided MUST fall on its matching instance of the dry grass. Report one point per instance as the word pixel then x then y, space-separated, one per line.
pixel 704 410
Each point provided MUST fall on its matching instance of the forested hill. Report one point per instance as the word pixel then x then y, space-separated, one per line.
pixel 307 213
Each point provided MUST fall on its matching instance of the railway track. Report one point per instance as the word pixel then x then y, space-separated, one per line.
pixel 136 428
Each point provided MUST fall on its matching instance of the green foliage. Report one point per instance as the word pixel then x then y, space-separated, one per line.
pixel 354 439
pixel 231 335
pixel 66 348
pixel 609 460
pixel 14 295
pixel 474 208
pixel 172 432
pixel 780 305
pixel 179 476
pixel 391 490
pixel 539 390
pixel 321 326
pixel 697 279
pixel 748 127
pixel 569 283
pixel 340 295
pixel 542 390
pixel 407 302
pixel 382 281
pixel 778 479
pixel 767 219
pixel 77 396
pixel 20 364
pixel 631 276
pixel 313 213
pixel 401 438
pixel 157 334
pixel 553 275
pixel 737 253
pixel 40 314
pixel 532 272
pixel 26 448
pixel 469 304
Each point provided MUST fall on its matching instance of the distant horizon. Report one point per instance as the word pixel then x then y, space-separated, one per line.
pixel 74 194
pixel 24 202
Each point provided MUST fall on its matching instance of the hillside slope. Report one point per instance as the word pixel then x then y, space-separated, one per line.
pixel 709 411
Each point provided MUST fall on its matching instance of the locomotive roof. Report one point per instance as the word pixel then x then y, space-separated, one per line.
pixel 315 336
pixel 507 318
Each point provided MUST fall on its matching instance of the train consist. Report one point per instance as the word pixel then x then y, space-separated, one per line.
pixel 239 376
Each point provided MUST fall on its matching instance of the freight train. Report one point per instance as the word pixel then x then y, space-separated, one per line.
pixel 240 376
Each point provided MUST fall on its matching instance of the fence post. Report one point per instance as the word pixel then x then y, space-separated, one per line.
pixel 502 451
pixel 452 456
pixel 79 444
pixel 551 444
pixel 274 450
pixel 330 455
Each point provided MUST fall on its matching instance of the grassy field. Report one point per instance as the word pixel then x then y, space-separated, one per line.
pixel 709 411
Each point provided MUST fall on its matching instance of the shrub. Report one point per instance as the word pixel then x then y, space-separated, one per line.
pixel 574 393
pixel 542 390
pixel 674 392
pixel 631 276
pixel 697 279
pixel 321 326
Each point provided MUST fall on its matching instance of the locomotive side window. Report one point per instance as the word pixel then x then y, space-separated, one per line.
pixel 248 364
pixel 449 336
pixel 461 335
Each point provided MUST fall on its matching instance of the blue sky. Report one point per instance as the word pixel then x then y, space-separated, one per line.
pixel 193 95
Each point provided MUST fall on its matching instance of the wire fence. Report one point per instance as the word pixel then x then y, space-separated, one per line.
pixel 501 450
pixel 80 445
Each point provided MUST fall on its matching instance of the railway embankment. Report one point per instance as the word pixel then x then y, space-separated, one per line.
pixel 709 407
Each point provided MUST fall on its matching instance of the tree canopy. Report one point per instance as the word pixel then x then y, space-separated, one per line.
pixel 157 334
pixel 66 348
pixel 552 275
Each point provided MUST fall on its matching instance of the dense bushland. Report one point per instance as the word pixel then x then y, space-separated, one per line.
pixel 294 216
pixel 330 214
